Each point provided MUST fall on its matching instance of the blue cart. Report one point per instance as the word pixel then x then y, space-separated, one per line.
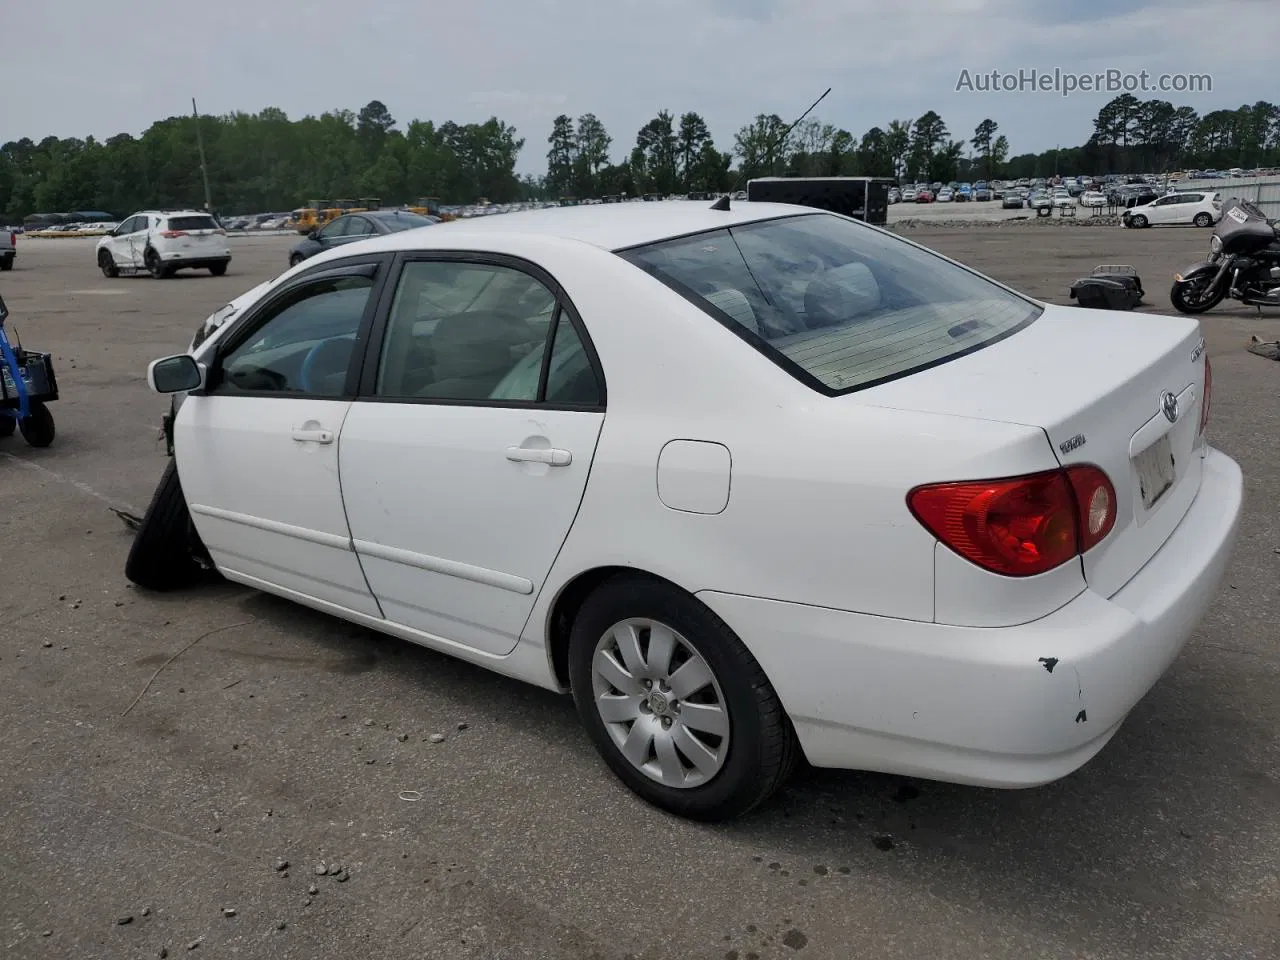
pixel 27 385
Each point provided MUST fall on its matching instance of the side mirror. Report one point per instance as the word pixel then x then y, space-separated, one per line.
pixel 313 235
pixel 176 374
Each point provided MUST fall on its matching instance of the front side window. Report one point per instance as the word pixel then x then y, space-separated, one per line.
pixel 335 229
pixel 306 343
pixel 839 303
pixel 465 331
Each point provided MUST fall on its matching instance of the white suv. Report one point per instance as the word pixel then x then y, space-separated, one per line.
pixel 162 241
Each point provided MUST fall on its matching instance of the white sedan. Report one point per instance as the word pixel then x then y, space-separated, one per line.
pixel 751 483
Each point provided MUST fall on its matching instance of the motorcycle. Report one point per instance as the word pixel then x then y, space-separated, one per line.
pixel 1243 264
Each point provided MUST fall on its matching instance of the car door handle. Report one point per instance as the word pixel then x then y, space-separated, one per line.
pixel 313 436
pixel 552 456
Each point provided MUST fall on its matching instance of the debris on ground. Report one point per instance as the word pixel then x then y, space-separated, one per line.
pixel 130 520
pixel 1268 349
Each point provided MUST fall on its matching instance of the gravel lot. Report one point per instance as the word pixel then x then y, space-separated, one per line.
pixel 286 736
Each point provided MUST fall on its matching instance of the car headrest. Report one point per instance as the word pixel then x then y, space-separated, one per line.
pixel 841 294
pixel 474 344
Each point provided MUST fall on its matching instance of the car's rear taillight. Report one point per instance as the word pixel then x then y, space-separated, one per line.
pixel 1020 526
pixel 1207 400
pixel 173 234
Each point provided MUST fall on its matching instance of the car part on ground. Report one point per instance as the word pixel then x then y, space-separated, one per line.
pixel 1109 287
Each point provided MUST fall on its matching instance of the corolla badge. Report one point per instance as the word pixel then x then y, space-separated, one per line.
pixel 1169 406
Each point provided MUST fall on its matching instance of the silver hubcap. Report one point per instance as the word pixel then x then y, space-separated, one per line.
pixel 660 702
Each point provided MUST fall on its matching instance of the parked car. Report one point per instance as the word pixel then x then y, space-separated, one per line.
pixel 964 192
pixel 895 195
pixel 787 545
pixel 356 226
pixel 983 193
pixel 1062 198
pixel 8 248
pixel 163 242
pixel 1092 198
pixel 1039 199
pixel 946 195
pixel 925 196
pixel 1198 208
pixel 1012 201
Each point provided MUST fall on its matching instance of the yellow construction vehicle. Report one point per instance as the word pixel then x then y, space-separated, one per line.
pixel 429 207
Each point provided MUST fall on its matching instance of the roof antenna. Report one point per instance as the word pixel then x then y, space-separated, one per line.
pixel 779 140
pixel 721 204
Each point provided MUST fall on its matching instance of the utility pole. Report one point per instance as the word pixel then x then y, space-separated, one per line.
pixel 204 168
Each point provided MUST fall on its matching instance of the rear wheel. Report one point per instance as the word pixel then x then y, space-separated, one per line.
pixel 1203 220
pixel 218 269
pixel 37 427
pixel 156 266
pixel 163 555
pixel 1195 295
pixel 6 263
pixel 295 259
pixel 677 706
pixel 107 264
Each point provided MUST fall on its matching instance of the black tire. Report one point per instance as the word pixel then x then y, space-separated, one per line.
pixel 163 555
pixel 7 426
pixel 1178 296
pixel 296 259
pixel 107 264
pixel 155 266
pixel 1138 221
pixel 37 428
pixel 218 269
pixel 1203 220
pixel 6 263
pixel 762 749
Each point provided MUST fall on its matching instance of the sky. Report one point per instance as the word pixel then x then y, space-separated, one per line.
pixel 76 68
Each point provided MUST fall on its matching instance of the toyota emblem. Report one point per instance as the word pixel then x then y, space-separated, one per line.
pixel 1169 406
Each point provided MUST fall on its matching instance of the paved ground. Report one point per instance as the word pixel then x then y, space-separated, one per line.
pixel 287 735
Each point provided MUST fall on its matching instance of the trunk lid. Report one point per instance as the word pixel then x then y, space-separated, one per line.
pixel 1096 382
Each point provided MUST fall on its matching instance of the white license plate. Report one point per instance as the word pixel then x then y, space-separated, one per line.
pixel 1156 471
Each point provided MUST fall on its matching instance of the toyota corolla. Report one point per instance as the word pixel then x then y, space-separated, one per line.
pixel 751 482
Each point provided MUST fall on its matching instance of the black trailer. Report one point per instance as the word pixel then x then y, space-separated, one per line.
pixel 865 198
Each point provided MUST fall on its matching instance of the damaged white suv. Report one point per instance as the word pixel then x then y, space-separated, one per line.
pixel 164 241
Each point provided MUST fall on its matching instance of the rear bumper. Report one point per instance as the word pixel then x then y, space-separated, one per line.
pixel 1002 707
pixel 186 260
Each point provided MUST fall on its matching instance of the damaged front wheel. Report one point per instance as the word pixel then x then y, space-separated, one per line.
pixel 167 553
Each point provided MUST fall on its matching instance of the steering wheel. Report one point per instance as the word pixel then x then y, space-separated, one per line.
pixel 312 358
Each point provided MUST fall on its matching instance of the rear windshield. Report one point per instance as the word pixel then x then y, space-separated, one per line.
pixel 405 221
pixel 192 223
pixel 839 304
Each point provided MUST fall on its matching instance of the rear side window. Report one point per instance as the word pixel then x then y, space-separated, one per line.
pixel 837 303
pixel 192 223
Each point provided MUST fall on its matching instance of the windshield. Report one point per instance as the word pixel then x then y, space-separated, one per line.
pixel 839 304
pixel 192 223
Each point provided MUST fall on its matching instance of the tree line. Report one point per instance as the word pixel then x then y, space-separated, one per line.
pixel 265 161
